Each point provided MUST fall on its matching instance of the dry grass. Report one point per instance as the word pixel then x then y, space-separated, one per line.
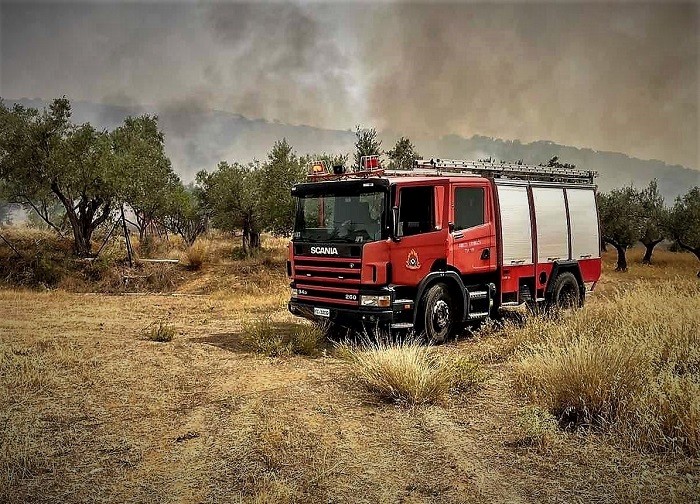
pixel 538 427
pixel 91 410
pixel 160 332
pixel 630 364
pixel 409 372
pixel 196 254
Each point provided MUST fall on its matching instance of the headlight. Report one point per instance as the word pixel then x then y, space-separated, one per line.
pixel 295 293
pixel 380 301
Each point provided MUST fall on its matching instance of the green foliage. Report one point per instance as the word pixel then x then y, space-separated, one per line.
pixel 232 194
pixel 366 144
pixel 620 216
pixel 151 185
pixel 331 160
pixel 255 197
pixel 47 161
pixel 685 219
pixel 187 213
pixel 282 170
pixel 402 155
pixel 653 217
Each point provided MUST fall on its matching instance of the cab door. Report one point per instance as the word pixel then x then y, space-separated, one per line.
pixel 472 230
pixel 422 231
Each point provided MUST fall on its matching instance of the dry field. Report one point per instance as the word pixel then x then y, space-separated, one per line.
pixel 92 409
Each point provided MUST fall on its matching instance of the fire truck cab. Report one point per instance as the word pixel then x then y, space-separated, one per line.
pixel 443 245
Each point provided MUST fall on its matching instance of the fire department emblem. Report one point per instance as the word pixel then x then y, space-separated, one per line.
pixel 412 261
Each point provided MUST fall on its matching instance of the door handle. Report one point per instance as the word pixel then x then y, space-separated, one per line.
pixel 485 254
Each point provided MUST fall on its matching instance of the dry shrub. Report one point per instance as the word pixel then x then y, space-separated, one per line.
pixel 537 426
pixel 196 254
pixel 408 372
pixel 630 364
pixel 160 332
pixel 265 337
pixel 308 339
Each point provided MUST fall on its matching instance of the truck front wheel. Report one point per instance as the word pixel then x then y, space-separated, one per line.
pixel 565 292
pixel 438 313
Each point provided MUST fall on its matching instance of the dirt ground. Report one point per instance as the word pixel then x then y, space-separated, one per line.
pixel 92 411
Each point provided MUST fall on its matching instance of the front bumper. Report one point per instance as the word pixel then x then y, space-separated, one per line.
pixel 353 318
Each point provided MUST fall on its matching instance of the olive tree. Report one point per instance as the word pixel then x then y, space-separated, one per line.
pixel 620 212
pixel 367 143
pixel 44 158
pixel 403 155
pixel 232 194
pixel 684 221
pixel 278 174
pixel 150 184
pixel 653 219
pixel 186 213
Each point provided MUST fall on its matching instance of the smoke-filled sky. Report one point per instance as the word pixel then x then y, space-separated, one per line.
pixel 611 76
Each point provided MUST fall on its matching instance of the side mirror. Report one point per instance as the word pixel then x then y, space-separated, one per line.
pixel 396 231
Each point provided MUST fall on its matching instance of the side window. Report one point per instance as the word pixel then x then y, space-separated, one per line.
pixel 416 211
pixel 469 207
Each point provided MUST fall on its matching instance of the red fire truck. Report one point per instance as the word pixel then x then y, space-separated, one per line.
pixel 445 244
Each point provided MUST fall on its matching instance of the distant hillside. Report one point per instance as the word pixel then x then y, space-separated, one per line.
pixel 198 139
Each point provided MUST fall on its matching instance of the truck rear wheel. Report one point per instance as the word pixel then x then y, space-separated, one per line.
pixel 438 313
pixel 565 292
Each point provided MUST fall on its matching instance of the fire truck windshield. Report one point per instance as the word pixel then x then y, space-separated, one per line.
pixel 340 218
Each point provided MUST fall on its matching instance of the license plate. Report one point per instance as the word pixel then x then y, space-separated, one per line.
pixel 322 312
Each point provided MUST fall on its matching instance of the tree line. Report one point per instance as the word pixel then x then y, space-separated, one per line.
pixel 75 178
pixel 629 215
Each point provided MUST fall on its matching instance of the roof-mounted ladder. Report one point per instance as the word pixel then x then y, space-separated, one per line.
pixel 450 167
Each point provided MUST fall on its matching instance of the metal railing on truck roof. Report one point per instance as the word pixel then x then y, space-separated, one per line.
pixel 370 167
pixel 458 167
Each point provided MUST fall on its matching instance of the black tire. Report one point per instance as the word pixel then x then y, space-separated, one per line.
pixel 566 292
pixel 438 314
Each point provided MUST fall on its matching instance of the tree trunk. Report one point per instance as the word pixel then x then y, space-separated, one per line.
pixel 621 255
pixel 621 259
pixel 649 250
pixel 694 250
pixel 254 239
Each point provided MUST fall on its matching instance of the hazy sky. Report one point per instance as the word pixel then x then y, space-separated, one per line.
pixel 611 76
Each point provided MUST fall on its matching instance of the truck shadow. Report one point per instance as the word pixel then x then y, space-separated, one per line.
pixel 277 333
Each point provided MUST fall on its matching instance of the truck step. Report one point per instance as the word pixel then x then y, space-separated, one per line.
pixel 473 295
pixel 402 325
pixel 511 303
pixel 478 315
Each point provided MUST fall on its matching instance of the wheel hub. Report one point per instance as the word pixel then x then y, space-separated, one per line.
pixel 441 314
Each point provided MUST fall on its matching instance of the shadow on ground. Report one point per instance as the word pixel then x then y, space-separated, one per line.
pixel 238 341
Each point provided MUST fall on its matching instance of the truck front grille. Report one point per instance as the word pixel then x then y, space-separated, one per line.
pixel 328 280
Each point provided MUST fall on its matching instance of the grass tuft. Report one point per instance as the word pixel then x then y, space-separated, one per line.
pixel 409 372
pixel 160 332
pixel 538 427
pixel 196 255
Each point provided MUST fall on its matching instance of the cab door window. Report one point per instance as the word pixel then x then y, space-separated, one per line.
pixel 469 207
pixel 417 210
